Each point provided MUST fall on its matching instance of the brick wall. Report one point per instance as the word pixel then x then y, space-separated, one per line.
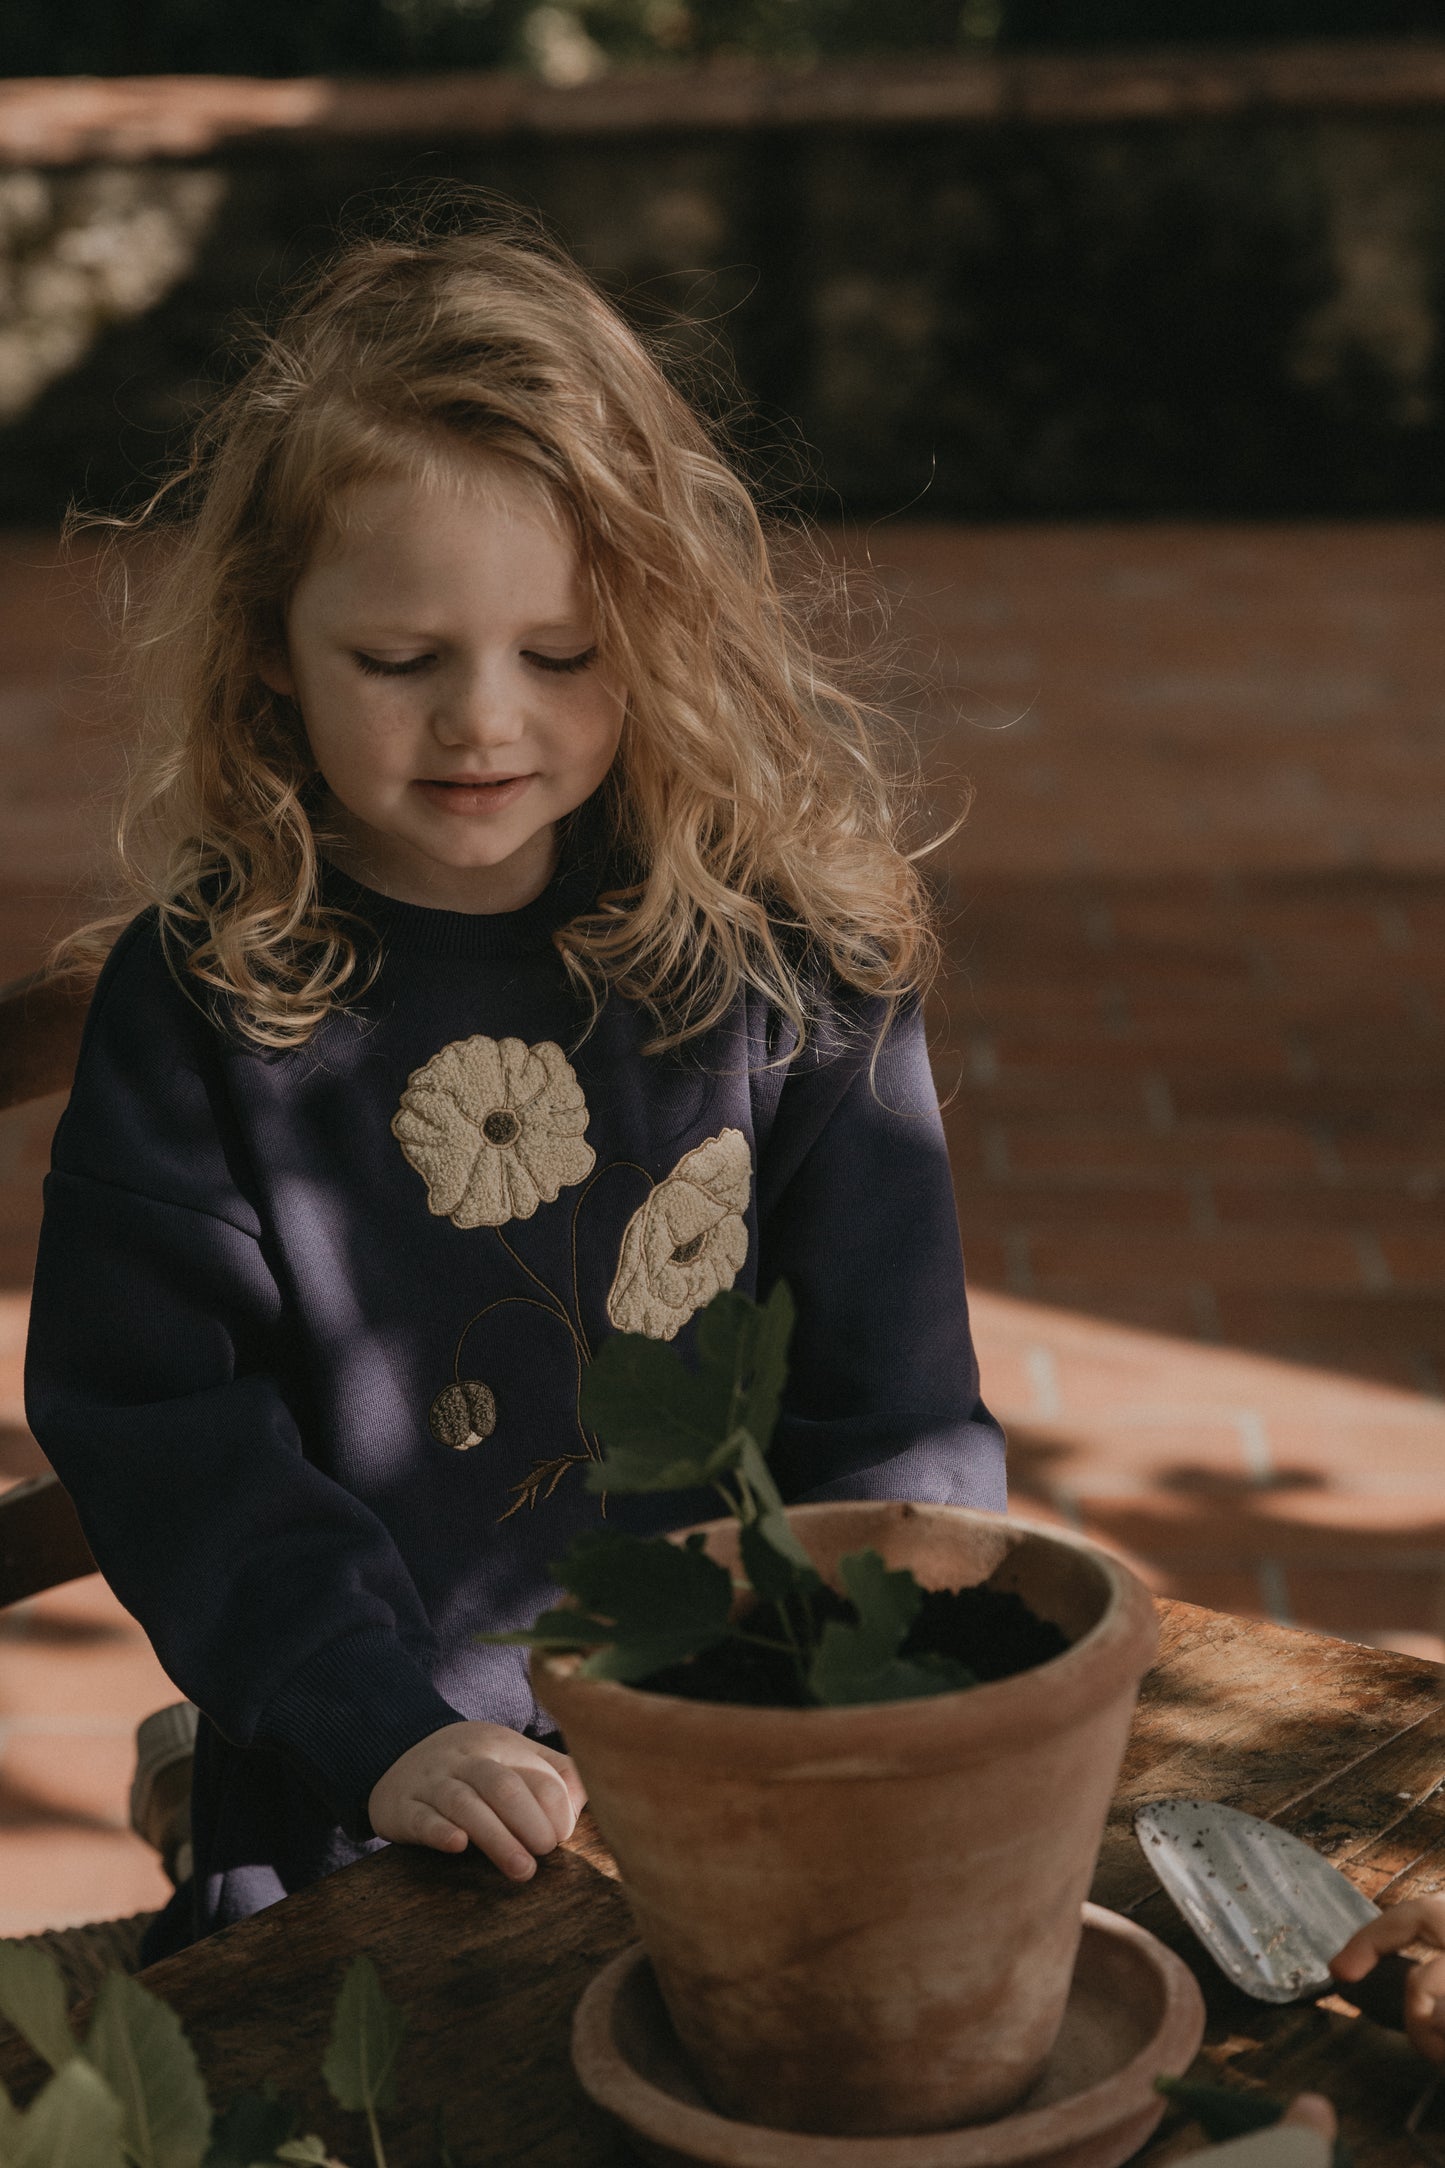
pixel 1139 284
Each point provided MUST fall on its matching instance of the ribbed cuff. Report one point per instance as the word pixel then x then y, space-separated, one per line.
pixel 347 1715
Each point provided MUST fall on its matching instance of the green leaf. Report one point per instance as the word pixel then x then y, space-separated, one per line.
pixel 659 1602
pixel 743 1349
pixel 861 1663
pixel 136 2043
pixel 666 1427
pixel 10 2123
pixel 661 1424
pixel 251 2128
pixel 837 1679
pixel 32 1997
pixel 771 1512
pixel 556 1630
pixel 886 1603
pixel 773 1331
pixel 666 1601
pixel 444 2157
pixel 633 1468
pixel 1222 2111
pixel 365 2035
pixel 74 2123
pixel 772 1567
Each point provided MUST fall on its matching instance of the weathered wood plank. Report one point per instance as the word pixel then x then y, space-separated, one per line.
pixel 1260 1716
pixel 490 1973
pixel 1349 1753
pixel 1344 1745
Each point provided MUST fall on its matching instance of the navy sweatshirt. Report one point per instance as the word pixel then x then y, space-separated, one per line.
pixel 307 1328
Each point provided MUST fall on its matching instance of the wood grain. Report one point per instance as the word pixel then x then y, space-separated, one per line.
pixel 1344 1745
pixel 1322 1737
pixel 489 1971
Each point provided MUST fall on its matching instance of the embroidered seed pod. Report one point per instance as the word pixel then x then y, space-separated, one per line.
pixel 688 1241
pixel 462 1415
pixel 494 1128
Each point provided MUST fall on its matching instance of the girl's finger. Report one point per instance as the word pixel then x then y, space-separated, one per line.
pixel 1311 2111
pixel 506 1792
pixel 488 1832
pixel 567 1770
pixel 1425 1986
pixel 426 1826
pixel 552 1796
pixel 1418 1919
pixel 1425 2009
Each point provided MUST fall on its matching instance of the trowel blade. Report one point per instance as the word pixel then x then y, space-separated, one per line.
pixel 1270 1911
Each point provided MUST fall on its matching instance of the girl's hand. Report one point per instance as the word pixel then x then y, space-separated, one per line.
pixel 1311 2111
pixel 480 1784
pixel 1273 2147
pixel 1418 1919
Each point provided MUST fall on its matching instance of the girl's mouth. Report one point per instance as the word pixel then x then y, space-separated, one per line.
pixel 473 794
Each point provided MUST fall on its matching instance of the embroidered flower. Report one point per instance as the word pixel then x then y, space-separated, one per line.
pixel 687 1242
pixel 494 1128
pixel 462 1415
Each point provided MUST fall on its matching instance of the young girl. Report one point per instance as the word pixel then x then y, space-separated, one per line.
pixel 528 956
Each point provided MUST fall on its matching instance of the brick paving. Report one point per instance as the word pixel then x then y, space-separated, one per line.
pixel 1191 1035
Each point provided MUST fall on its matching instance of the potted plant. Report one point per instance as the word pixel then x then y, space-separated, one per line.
pixel 860 1888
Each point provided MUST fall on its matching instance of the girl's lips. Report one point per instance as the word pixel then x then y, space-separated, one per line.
pixel 468 797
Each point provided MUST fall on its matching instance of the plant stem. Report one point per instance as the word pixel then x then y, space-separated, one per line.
pixel 799 1660
pixel 745 1508
pixel 728 1500
pixel 376 2144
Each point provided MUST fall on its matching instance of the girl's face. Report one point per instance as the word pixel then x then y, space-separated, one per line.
pixel 441 652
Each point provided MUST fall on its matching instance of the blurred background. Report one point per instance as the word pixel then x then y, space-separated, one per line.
pixel 1105 338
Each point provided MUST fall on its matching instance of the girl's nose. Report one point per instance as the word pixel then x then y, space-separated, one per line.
pixel 476 710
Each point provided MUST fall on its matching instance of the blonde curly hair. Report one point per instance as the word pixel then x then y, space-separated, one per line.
pixel 752 791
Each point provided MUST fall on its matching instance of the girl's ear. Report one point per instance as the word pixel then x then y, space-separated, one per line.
pixel 273 667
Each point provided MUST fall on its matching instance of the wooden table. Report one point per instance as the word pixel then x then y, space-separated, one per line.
pixel 1344 1745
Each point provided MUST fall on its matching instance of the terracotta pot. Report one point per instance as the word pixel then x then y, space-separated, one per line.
pixel 863 1921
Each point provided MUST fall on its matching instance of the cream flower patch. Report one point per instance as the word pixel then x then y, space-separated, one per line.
pixel 494 1128
pixel 687 1242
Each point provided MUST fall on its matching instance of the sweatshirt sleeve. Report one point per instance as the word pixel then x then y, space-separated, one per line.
pixel 856 1213
pixel 163 1386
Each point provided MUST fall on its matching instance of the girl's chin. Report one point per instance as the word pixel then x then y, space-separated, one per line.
pixel 474 879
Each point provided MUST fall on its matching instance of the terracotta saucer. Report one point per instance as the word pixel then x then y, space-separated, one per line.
pixel 1134 2014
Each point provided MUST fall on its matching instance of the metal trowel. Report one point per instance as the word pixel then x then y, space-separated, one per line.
pixel 1270 1911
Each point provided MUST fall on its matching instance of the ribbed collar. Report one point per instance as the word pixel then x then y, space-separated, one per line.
pixel 582 867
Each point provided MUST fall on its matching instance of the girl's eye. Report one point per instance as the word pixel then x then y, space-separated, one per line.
pixel 374 667
pixel 563 663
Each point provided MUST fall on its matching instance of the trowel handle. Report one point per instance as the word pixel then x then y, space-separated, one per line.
pixel 1381 1994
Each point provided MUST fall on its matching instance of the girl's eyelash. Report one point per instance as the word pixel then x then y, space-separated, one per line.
pixel 563 665
pixel 562 662
pixel 375 668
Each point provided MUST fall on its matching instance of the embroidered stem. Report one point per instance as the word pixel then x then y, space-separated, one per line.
pixel 550 1293
pixel 547 1309
pixel 577 1207
pixel 551 1471
pixel 592 1450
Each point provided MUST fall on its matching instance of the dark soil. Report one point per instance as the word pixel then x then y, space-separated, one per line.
pixel 994 1633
